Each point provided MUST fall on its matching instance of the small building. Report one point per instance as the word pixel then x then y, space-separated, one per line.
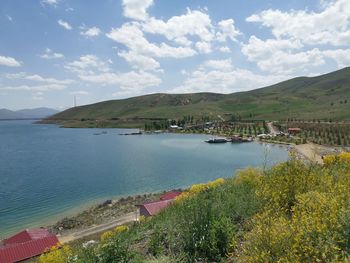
pixel 170 195
pixel 26 244
pixel 294 130
pixel 175 127
pixel 153 208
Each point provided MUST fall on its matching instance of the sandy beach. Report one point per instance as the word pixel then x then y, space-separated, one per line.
pixel 310 151
pixel 314 152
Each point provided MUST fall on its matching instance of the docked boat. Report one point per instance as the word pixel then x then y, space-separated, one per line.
pixel 239 139
pixel 216 140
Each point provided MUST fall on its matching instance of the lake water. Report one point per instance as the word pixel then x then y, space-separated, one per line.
pixel 48 172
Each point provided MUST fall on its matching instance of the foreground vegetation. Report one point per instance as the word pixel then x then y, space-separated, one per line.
pixel 292 212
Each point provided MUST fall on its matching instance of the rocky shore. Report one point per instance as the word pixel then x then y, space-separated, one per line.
pixel 101 213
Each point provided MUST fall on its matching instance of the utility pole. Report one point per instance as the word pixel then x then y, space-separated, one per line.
pixel 75 101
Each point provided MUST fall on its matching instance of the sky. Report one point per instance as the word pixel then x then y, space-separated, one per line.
pixel 54 50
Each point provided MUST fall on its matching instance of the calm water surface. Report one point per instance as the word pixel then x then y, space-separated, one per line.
pixel 46 172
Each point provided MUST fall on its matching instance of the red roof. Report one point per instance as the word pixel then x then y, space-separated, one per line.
pixel 294 129
pixel 27 235
pixel 26 244
pixel 155 207
pixel 170 195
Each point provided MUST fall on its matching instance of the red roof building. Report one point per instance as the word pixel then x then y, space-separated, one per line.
pixel 26 244
pixel 170 195
pixel 152 208
pixel 294 130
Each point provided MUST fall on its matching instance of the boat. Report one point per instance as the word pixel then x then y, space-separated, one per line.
pixel 132 133
pixel 239 139
pixel 216 140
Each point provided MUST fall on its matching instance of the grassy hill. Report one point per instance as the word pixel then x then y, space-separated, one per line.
pixel 322 97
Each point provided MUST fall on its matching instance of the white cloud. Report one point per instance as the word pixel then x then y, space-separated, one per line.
pixel 139 61
pixel 49 54
pixel 136 9
pixel 46 87
pixel 129 83
pixel 91 69
pixel 340 56
pixel 300 39
pixel 38 95
pixel 223 65
pixel 39 78
pixel 329 26
pixel 91 32
pixel 132 37
pixel 79 92
pixel 225 49
pixel 219 77
pixel 9 62
pixel 193 23
pixel 257 49
pixel 227 30
pixel 50 2
pixel 186 35
pixel 203 47
pixel 64 24
pixel 87 64
pixel 288 63
pixel 141 52
pixel 9 18
pixel 282 56
pixel 36 78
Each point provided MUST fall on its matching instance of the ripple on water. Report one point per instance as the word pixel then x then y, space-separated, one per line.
pixel 46 172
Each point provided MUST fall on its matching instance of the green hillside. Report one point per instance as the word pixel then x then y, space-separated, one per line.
pixel 322 97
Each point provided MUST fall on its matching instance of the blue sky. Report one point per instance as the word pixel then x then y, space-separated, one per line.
pixel 53 50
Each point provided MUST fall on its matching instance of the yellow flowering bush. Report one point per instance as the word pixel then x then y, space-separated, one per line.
pixel 57 254
pixel 121 228
pixel 316 221
pixel 142 218
pixel 329 159
pixel 109 234
pixel 248 176
pixel 215 183
pixel 332 159
pixel 305 214
pixel 106 236
pixel 344 157
pixel 197 188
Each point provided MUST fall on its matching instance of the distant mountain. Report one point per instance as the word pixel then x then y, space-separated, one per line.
pixel 321 97
pixel 37 113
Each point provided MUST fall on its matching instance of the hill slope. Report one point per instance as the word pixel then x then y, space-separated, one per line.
pixel 293 212
pixel 322 97
pixel 36 113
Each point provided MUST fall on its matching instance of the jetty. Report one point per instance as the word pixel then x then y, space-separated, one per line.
pixel 132 133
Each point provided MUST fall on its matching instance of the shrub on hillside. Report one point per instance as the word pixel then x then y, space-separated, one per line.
pixel 304 217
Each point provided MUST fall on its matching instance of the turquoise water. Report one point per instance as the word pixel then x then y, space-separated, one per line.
pixel 46 172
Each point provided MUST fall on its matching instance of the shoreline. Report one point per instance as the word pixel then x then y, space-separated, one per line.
pixel 99 212
pixel 88 206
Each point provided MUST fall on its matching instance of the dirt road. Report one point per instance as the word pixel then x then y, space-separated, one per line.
pixel 272 129
pixel 99 228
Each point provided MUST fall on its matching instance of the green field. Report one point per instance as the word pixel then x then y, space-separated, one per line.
pixel 323 97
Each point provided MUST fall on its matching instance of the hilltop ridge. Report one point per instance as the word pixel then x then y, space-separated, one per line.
pixel 322 97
